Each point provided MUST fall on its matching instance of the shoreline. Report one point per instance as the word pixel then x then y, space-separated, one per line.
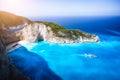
pixel 13 46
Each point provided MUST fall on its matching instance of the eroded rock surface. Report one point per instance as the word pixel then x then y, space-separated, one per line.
pixel 41 31
pixel 8 71
pixel 15 28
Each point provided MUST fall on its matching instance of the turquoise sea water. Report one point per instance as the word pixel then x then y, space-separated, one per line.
pixel 71 61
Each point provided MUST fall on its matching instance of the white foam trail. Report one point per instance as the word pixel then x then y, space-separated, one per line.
pixel 87 55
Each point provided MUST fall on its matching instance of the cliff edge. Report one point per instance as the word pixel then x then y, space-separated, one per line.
pixel 8 71
pixel 15 28
pixel 54 33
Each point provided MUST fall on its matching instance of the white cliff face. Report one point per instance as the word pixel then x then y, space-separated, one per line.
pixel 35 32
pixel 30 33
pixel 39 31
pixel 15 28
pixel 11 34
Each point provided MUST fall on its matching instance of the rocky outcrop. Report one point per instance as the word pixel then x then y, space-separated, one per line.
pixel 15 28
pixel 8 71
pixel 11 34
pixel 37 31
pixel 10 25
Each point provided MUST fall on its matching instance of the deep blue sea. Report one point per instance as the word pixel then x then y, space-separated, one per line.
pixel 48 61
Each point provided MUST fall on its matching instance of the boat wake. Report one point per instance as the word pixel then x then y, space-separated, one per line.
pixel 87 55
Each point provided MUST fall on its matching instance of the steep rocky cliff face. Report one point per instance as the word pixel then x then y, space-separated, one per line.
pixel 11 34
pixel 7 71
pixel 15 28
pixel 54 33
pixel 10 25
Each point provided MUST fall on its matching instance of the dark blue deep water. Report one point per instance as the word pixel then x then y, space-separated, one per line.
pixel 47 61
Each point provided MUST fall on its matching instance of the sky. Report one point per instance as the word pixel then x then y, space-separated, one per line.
pixel 61 7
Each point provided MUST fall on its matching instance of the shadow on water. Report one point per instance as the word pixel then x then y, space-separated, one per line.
pixel 32 65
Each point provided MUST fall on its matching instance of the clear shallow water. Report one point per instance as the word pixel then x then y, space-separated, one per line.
pixel 69 61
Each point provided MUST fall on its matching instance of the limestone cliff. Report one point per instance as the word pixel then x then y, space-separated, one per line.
pixel 15 28
pixel 54 33
pixel 10 25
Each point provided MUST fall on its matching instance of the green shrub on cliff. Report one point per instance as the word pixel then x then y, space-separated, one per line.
pixel 55 27
pixel 68 33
